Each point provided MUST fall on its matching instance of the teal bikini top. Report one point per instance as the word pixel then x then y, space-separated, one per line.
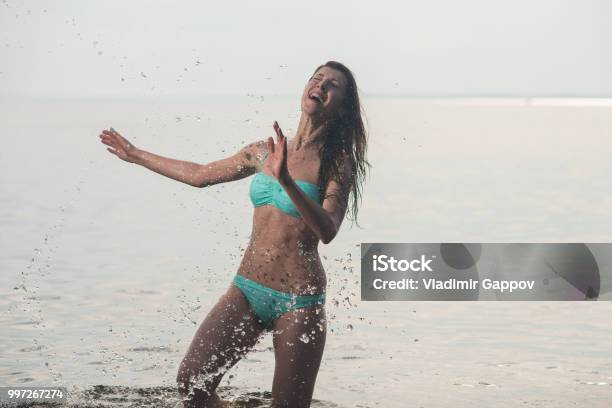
pixel 266 190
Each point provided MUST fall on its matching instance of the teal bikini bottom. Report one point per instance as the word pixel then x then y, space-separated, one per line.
pixel 269 304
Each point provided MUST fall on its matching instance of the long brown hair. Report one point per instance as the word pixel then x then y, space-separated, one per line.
pixel 346 135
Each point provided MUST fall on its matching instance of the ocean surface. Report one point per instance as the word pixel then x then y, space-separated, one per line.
pixel 106 268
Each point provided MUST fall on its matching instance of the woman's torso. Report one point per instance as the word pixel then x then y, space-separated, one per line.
pixel 282 252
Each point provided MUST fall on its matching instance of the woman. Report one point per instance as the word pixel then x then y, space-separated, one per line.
pixel 300 193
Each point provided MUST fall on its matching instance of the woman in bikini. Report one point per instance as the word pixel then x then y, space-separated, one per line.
pixel 300 191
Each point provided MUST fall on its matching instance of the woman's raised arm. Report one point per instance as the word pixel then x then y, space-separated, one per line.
pixel 240 165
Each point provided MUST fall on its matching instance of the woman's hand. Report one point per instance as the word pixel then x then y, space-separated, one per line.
pixel 119 146
pixel 278 155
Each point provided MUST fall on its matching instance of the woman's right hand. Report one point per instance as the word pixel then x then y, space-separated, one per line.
pixel 119 146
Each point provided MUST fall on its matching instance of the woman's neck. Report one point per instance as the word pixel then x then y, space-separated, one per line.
pixel 310 132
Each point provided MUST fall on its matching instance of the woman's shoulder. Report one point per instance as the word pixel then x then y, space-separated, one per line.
pixel 256 152
pixel 256 145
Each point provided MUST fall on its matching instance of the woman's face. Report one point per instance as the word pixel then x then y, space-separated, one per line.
pixel 324 93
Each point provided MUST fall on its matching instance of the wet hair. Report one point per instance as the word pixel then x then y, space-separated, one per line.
pixel 346 136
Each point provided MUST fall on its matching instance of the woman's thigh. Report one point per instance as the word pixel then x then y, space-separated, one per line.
pixel 299 340
pixel 228 332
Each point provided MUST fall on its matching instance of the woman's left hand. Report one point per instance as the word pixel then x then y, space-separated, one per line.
pixel 278 155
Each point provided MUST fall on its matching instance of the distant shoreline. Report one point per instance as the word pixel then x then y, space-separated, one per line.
pixel 417 99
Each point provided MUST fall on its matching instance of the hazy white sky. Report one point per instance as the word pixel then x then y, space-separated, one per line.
pixel 193 48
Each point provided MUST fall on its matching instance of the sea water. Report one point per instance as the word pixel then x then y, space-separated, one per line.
pixel 107 269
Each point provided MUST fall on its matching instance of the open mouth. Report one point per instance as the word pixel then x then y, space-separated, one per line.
pixel 316 97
